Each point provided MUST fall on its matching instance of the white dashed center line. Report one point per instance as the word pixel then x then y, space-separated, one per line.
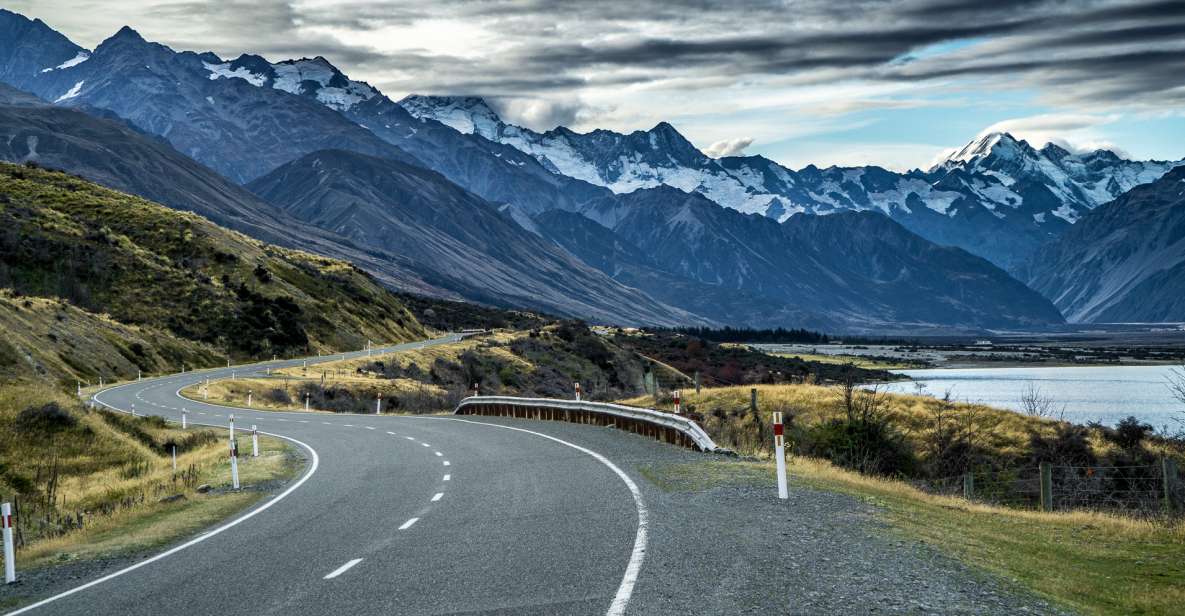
pixel 425 444
pixel 437 496
pixel 446 463
pixel 390 432
pixel 447 478
pixel 438 454
pixel 342 569
pixel 407 524
pixel 409 438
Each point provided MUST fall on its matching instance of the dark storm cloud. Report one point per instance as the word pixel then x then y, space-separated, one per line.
pixel 1098 50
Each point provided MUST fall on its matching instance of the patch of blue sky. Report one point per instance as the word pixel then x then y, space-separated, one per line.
pixel 937 49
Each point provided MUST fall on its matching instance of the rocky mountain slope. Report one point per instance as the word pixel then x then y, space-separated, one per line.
pixel 1122 262
pixel 998 197
pixel 469 244
pixel 853 271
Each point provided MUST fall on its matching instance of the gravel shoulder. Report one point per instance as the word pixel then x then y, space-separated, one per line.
pixel 720 542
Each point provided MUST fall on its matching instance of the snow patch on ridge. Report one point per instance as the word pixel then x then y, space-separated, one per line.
pixel 82 56
pixel 223 71
pixel 75 91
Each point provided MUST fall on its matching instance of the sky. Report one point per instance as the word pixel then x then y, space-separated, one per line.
pixel 884 82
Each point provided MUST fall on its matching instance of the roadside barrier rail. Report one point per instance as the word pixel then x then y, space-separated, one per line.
pixel 647 422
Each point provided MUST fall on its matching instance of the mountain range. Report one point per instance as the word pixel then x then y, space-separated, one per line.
pixel 439 196
pixel 997 197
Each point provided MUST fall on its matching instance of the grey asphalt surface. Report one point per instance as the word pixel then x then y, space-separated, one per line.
pixel 524 525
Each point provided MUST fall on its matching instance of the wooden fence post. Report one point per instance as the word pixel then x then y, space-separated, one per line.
pixel 753 400
pixel 968 486
pixel 1046 487
pixel 1168 467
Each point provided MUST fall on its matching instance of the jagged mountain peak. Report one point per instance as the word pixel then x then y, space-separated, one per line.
pixel 466 113
pixel 997 144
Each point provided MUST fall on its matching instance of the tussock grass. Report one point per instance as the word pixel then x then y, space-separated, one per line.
pixel 91 483
pixel 724 413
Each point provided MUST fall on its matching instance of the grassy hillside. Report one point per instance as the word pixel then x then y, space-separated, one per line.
pixel 544 362
pixel 146 265
pixel 50 340
pixel 91 483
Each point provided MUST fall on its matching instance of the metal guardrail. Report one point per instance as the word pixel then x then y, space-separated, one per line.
pixel 647 422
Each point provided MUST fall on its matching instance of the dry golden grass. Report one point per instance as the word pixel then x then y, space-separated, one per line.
pixel 1002 431
pixel 115 469
pixel 234 393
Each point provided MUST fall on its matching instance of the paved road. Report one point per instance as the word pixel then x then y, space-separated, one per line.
pixel 396 515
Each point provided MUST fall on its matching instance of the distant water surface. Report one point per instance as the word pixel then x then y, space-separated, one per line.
pixel 1089 393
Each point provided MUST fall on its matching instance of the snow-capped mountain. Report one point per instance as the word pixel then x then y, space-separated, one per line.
pixel 314 77
pixel 998 196
pixel 1081 182
pixel 1123 261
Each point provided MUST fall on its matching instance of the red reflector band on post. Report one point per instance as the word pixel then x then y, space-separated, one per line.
pixel 777 429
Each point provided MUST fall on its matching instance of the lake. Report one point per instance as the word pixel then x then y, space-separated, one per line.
pixel 1089 393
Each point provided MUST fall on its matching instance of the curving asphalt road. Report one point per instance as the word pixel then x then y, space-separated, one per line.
pixel 394 515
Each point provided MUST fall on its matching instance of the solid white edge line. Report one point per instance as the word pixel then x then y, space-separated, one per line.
pixel 407 524
pixel 634 566
pixel 342 569
pixel 196 540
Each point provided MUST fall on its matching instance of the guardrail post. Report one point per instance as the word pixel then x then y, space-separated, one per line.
pixel 254 442
pixel 9 548
pixel 1046 487
pixel 780 456
pixel 968 486
pixel 1168 468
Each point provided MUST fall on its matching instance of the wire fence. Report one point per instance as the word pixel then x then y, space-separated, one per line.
pixel 1149 489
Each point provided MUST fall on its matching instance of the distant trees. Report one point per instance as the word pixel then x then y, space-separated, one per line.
pixel 1176 384
pixel 743 334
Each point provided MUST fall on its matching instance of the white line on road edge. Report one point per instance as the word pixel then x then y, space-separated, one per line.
pixel 196 540
pixel 407 524
pixel 342 569
pixel 634 566
pixel 437 496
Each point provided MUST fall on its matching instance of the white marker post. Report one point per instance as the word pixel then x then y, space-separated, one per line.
pixel 378 404
pixel 184 418
pixel 79 385
pixel 578 392
pixel 174 459
pixel 231 423
pixel 306 402
pixel 133 410
pixel 100 380
pixel 678 403
pixel 254 442
pixel 140 376
pixel 780 456
pixel 9 548
pixel 249 394
pixel 476 389
pixel 232 375
pixel 234 463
